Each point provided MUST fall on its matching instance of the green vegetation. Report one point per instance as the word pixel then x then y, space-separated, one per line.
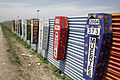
pixel 54 69
pixel 19 40
pixel 7 33
pixel 42 59
pixel 58 73
pixel 13 56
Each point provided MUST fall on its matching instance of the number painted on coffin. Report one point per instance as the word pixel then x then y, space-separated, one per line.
pixel 93 31
pixel 94 21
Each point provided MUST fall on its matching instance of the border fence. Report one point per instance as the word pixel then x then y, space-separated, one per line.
pixel 84 59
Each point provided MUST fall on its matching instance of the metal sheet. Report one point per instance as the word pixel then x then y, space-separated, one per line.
pixel 112 71
pixel 73 63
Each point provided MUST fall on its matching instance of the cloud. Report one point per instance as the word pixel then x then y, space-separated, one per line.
pixel 50 8
pixel 12 5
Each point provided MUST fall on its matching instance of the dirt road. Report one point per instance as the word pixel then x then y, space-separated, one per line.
pixel 6 69
pixel 17 62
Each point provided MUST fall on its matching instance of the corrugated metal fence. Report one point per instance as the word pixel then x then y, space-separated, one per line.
pixel 74 60
pixel 73 63
pixel 112 71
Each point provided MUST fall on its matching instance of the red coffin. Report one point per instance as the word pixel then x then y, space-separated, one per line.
pixel 60 37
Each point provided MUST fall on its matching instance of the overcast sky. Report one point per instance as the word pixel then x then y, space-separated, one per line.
pixel 26 9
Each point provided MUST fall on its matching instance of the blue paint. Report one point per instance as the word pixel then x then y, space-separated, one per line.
pixel 105 36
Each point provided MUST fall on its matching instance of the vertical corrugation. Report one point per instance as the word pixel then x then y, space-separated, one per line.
pixel 73 63
pixel 112 71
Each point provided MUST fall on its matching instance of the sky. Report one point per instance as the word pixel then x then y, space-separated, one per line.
pixel 27 9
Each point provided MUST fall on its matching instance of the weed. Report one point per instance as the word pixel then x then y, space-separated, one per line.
pixel 46 67
pixel 19 40
pixel 34 52
pixel 42 58
pixel 54 69
pixel 13 56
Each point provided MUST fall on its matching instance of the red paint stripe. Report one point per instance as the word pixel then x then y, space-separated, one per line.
pixel 113 62
pixel 115 43
pixel 116 28
pixel 115 23
pixel 114 66
pixel 117 48
pixel 115 19
pixel 113 52
pixel 114 58
pixel 114 71
pixel 112 76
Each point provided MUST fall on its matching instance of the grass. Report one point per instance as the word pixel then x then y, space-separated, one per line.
pixel 54 69
pixel 13 56
pixel 19 40
pixel 7 33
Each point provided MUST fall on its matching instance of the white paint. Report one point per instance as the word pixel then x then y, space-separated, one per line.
pixel 31 31
pixel 56 44
pixel 94 21
pixel 91 53
pixel 93 31
pixel 57 27
pixel 43 33
pixel 57 21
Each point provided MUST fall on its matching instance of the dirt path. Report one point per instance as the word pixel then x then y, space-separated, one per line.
pixel 32 67
pixel 18 62
pixel 6 69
